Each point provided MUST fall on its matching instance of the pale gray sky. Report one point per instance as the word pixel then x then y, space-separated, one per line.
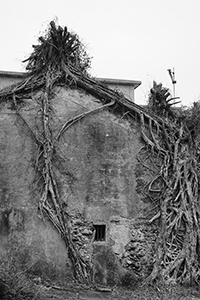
pixel 128 39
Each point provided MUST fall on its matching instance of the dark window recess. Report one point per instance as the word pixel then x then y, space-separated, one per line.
pixel 100 234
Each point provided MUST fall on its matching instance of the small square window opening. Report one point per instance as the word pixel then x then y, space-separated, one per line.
pixel 100 234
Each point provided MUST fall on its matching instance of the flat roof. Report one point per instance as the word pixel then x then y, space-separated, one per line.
pixel 111 81
pixel 116 81
pixel 12 74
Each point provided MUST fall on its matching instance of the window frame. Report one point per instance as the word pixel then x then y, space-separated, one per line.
pixel 100 233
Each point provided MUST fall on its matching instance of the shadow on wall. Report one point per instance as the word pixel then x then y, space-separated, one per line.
pixel 107 270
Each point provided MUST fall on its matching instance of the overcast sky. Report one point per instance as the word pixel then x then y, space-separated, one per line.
pixel 128 39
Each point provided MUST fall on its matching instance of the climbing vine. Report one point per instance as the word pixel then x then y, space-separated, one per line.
pixel 177 247
pixel 52 61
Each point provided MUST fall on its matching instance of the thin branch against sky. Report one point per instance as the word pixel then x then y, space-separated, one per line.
pixel 129 39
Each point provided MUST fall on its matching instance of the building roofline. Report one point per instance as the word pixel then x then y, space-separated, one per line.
pixel 113 81
pixel 90 84
pixel 116 81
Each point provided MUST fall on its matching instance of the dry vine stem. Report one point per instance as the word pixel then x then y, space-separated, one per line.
pixel 60 59
pixel 50 193
pixel 177 248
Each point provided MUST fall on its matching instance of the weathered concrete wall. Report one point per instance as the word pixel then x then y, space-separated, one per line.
pixel 128 90
pixel 98 181
pixel 21 229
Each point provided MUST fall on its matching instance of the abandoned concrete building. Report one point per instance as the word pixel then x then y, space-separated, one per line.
pixel 99 182
pixel 96 173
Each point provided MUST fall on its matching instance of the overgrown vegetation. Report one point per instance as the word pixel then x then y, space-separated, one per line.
pixel 176 186
pixel 58 49
pixel 14 283
pixel 170 139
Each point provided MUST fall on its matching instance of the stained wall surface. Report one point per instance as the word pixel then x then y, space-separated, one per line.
pixel 99 181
